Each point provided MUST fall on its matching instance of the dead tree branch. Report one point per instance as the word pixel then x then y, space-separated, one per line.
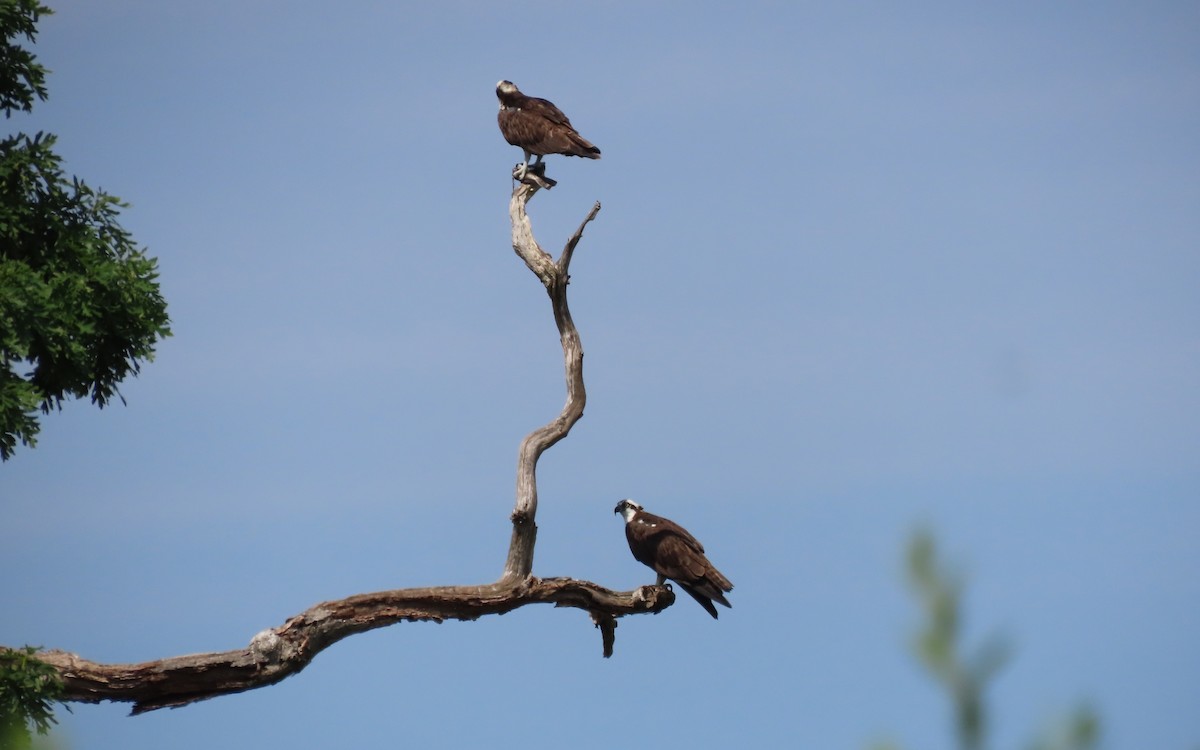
pixel 277 653
pixel 555 277
pixel 281 652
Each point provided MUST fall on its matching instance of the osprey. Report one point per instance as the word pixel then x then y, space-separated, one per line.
pixel 667 547
pixel 538 127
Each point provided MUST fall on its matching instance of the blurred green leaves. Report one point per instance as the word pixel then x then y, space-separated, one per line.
pixel 965 676
pixel 80 306
pixel 1079 731
pixel 28 690
pixel 938 642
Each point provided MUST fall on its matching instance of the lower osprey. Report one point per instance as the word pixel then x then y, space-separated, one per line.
pixel 667 547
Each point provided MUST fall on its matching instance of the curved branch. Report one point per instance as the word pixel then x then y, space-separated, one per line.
pixel 555 277
pixel 278 653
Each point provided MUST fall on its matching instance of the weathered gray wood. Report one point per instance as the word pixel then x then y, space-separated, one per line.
pixel 555 277
pixel 277 653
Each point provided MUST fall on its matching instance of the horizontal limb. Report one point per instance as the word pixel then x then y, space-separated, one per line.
pixel 277 653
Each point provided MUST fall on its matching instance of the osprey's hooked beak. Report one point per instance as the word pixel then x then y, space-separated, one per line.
pixel 626 506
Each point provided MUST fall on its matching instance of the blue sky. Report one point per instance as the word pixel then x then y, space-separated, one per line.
pixel 859 268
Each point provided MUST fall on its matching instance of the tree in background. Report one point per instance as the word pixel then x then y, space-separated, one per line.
pixel 80 307
pixel 965 677
pixel 28 691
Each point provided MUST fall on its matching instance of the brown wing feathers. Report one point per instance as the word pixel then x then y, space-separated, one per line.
pixel 539 127
pixel 671 551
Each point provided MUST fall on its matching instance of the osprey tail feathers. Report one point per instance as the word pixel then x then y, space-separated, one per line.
pixel 705 600
pixel 583 147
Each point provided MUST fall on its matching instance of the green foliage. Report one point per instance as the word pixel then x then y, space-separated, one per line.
pixel 21 77
pixel 28 690
pixel 938 647
pixel 1079 731
pixel 80 306
pixel 937 643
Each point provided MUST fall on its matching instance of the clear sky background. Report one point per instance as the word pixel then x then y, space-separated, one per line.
pixel 860 267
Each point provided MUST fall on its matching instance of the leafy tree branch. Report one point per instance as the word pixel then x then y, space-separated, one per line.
pixel 80 306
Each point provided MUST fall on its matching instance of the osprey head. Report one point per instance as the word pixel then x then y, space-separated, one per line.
pixel 627 508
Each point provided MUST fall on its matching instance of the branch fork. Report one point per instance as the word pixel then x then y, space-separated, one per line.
pixel 277 653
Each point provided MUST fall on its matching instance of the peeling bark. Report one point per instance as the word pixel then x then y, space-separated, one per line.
pixel 277 653
pixel 555 276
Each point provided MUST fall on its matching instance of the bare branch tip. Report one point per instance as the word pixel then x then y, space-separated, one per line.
pixel 608 630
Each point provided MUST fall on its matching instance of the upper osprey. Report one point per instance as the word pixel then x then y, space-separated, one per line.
pixel 673 553
pixel 538 127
